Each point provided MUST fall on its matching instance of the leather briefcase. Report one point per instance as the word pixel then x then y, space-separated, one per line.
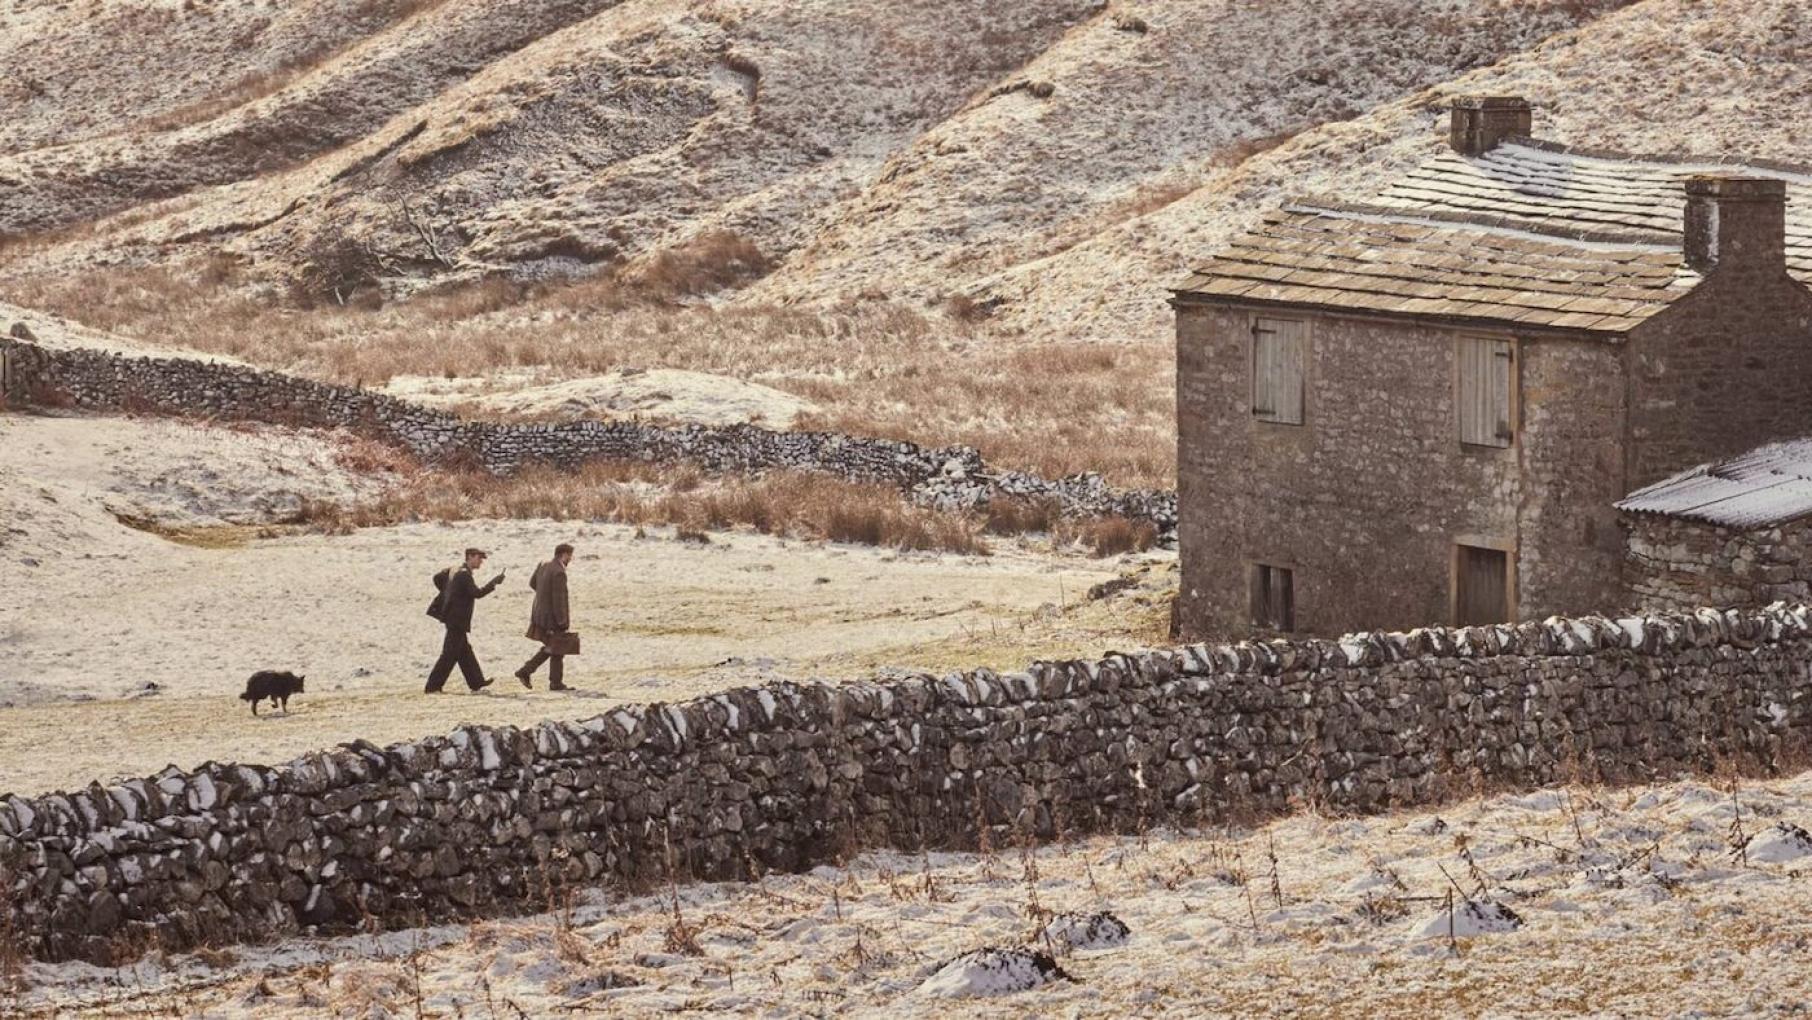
pixel 564 643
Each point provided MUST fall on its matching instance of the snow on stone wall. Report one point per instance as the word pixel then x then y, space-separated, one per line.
pixel 951 477
pixel 490 820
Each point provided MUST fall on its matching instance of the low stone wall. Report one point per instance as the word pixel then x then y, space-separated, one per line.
pixel 951 477
pixel 489 820
pixel 1677 564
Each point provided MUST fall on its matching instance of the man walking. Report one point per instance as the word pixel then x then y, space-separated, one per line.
pixel 453 607
pixel 550 622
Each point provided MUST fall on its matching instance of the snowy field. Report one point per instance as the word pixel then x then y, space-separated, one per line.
pixel 133 648
pixel 1680 900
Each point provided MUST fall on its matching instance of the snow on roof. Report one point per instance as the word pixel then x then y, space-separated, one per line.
pixel 1553 188
pixel 1529 232
pixel 1768 485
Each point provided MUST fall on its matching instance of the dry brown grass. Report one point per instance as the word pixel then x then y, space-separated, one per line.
pixel 873 368
pixel 1019 516
pixel 794 505
pixel 715 261
pixel 1107 536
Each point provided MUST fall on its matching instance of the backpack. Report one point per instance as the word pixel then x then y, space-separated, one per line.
pixel 438 607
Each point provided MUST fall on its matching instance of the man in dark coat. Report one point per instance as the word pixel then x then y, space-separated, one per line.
pixel 550 620
pixel 453 607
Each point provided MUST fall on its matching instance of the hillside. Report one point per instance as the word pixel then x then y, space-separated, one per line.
pixel 938 220
pixel 908 150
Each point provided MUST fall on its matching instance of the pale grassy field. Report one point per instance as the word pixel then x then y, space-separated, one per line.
pixel 1685 899
pixel 121 651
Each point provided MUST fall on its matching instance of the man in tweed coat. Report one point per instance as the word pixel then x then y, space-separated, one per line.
pixel 550 621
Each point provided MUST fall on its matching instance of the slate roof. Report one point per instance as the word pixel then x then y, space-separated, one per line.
pixel 1528 233
pixel 1552 187
pixel 1767 486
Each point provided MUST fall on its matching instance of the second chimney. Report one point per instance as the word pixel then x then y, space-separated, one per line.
pixel 1480 122
pixel 1735 221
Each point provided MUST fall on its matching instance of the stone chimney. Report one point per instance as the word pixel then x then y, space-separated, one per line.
pixel 1736 221
pixel 1480 122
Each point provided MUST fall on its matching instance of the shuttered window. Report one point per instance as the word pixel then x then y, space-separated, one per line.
pixel 1487 371
pixel 1279 354
pixel 1273 597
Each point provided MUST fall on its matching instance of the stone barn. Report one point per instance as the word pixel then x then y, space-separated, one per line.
pixel 1735 532
pixel 1425 408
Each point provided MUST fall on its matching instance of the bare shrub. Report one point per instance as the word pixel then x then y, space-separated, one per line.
pixel 337 268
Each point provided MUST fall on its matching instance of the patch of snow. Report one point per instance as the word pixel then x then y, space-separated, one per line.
pixel 661 393
pixel 1778 844
pixel 1470 918
pixel 1100 930
pixel 992 971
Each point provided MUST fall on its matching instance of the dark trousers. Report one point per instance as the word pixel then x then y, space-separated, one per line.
pixel 556 669
pixel 456 650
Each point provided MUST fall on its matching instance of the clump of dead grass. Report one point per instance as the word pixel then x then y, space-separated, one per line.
pixel 790 504
pixel 1107 536
pixel 714 261
pixel 1016 516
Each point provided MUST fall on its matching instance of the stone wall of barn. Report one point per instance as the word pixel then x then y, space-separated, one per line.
pixel 1372 492
pixel 1680 564
pixel 952 477
pixel 1724 369
pixel 488 820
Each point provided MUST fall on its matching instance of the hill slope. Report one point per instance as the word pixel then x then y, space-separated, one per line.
pixel 911 150
pixel 938 220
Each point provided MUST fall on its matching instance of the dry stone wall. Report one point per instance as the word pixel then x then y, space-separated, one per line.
pixel 495 819
pixel 951 477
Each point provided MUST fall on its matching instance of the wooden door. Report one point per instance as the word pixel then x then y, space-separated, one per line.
pixel 1482 586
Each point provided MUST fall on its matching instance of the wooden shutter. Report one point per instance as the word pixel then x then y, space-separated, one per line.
pixel 1483 580
pixel 1487 374
pixel 1279 360
pixel 1283 598
pixel 1273 597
